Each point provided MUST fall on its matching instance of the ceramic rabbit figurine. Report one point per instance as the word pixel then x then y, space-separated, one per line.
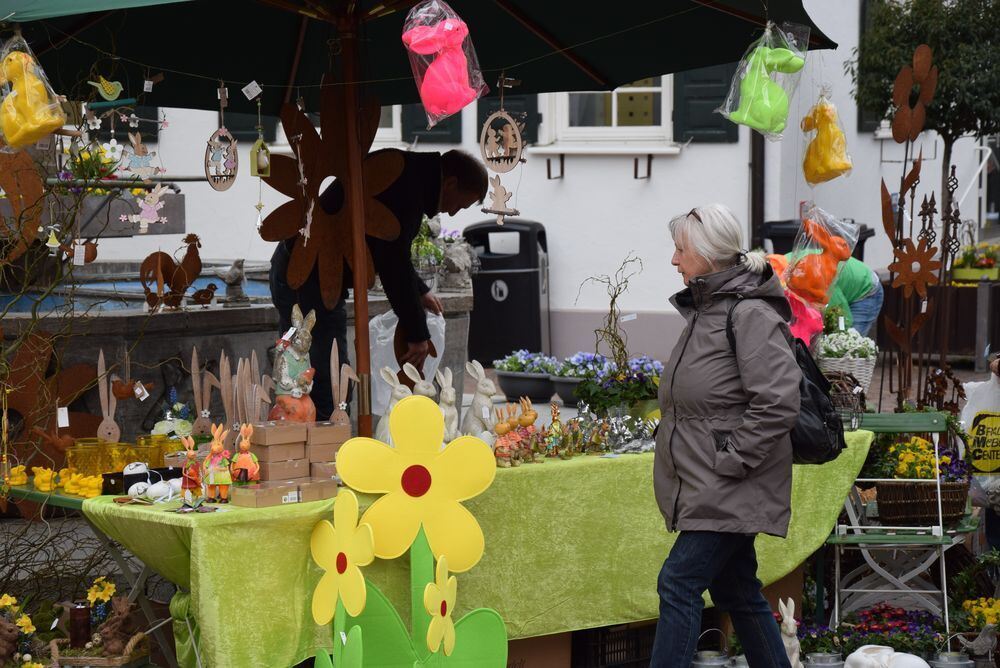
pixel 479 417
pixel 342 388
pixel 245 468
pixel 399 391
pixel 421 387
pixel 790 632
pixel 878 656
pixel 216 467
pixel 191 473
pixel 292 374
pixel 108 430
pixel 447 404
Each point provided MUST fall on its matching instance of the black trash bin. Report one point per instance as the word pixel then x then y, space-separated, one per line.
pixel 511 289
pixel 782 234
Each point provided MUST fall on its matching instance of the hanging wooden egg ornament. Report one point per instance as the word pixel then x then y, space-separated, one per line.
pixel 260 159
pixel 221 159
pixel 501 146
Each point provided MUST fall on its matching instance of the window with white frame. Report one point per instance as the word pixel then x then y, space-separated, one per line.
pixel 390 127
pixel 639 111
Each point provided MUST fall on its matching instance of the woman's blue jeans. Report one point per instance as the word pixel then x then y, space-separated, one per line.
pixel 726 565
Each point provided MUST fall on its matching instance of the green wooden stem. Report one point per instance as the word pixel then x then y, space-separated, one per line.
pixel 421 572
pixel 339 623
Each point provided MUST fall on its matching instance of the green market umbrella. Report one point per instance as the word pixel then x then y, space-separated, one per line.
pixel 288 45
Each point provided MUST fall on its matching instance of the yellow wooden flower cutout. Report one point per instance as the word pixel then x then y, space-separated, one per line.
pixel 423 484
pixel 339 549
pixel 439 601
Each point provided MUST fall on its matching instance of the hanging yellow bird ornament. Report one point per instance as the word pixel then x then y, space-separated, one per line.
pixel 826 156
pixel 109 90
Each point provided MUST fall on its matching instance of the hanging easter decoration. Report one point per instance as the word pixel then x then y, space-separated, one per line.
pixel 826 155
pixel 260 154
pixel 221 158
pixel 766 79
pixel 502 147
pixel 443 60
pixel 30 109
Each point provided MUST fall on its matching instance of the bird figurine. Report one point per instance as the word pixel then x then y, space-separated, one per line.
pixel 233 278
pixel 984 643
pixel 205 296
pixel 109 90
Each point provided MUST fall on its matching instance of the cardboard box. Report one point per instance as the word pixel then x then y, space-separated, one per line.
pixel 276 433
pixel 323 433
pixel 322 469
pixel 286 470
pixel 554 651
pixel 280 453
pixel 264 495
pixel 317 489
pixel 326 452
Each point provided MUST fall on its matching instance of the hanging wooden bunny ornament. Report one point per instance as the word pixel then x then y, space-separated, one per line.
pixel 221 156
pixel 501 145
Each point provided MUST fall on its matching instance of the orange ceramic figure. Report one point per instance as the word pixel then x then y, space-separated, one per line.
pixel 826 156
pixel 245 467
pixel 191 473
pixel 28 113
pixel 216 468
pixel 811 276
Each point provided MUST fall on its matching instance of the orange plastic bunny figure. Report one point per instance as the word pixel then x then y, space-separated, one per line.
pixel 811 276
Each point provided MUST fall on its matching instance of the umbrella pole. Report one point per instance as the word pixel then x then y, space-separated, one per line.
pixel 356 202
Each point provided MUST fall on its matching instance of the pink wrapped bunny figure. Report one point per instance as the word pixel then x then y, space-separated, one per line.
pixel 445 86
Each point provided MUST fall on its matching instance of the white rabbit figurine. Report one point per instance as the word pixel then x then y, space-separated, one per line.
pixel 447 404
pixel 421 387
pixel 479 417
pixel 399 391
pixel 878 656
pixel 789 632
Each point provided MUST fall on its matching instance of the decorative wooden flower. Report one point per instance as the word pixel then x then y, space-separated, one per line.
pixel 340 549
pixel 914 267
pixel 320 238
pixel 909 120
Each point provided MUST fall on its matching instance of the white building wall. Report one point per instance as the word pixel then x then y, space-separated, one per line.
pixel 598 213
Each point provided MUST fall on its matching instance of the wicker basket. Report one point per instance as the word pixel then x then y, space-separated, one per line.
pixel 861 368
pixel 915 503
pixel 133 652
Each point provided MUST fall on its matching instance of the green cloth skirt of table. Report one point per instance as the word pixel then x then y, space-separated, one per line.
pixel 569 545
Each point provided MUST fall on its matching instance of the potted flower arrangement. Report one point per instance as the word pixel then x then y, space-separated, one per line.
pixel 17 631
pixel 903 502
pixel 914 631
pixel 632 388
pixel 573 371
pixel 977 262
pixel 848 352
pixel 524 374
pixel 426 255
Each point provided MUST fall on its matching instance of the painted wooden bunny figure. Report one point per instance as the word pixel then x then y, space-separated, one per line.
pixel 216 467
pixel 191 473
pixel 108 430
pixel 341 388
pixel 293 374
pixel 245 467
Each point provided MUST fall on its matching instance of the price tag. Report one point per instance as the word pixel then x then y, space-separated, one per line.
pixel 629 317
pixel 840 323
pixel 79 253
pixel 923 306
pixel 486 413
pixel 288 335
pixel 147 86
pixel 140 391
pixel 62 416
pixel 252 90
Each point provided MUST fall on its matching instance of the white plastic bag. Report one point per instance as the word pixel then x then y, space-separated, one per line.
pixel 766 79
pixel 381 332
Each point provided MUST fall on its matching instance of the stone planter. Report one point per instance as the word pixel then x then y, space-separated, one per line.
pixel 565 387
pixel 536 386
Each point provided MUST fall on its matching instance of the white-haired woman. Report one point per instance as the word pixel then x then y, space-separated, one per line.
pixel 723 466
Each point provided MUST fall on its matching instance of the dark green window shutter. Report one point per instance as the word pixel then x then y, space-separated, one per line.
pixel 244 127
pixel 515 104
pixel 414 122
pixel 697 94
pixel 868 120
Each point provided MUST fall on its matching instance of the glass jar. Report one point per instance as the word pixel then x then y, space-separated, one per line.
pixel 86 456
pixel 117 455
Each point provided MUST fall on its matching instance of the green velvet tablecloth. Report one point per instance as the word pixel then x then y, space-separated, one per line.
pixel 569 545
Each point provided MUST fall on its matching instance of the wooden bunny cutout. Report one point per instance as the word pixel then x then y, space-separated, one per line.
pixel 341 388
pixel 202 389
pixel 108 430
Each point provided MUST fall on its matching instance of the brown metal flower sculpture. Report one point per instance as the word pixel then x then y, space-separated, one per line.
pixel 323 239
pixel 914 267
pixel 916 84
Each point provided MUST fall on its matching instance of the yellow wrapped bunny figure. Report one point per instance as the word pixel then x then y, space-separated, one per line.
pixel 18 475
pixel 826 156
pixel 28 112
pixel 45 479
